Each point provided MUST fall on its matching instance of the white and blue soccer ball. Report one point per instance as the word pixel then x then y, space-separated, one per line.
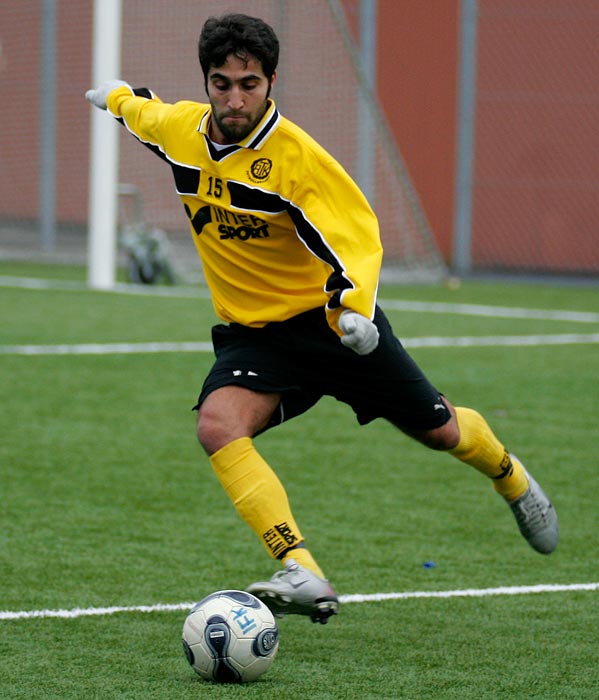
pixel 230 637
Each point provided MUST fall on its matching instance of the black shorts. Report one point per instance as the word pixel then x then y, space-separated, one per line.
pixel 304 360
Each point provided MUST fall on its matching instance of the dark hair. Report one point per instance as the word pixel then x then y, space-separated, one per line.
pixel 241 36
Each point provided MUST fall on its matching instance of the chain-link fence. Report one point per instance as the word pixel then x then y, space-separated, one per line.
pixel 535 183
pixel 319 73
pixel 536 175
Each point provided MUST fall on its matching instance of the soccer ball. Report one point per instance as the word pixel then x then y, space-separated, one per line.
pixel 230 637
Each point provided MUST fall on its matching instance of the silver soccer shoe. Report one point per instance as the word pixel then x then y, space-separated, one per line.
pixel 536 518
pixel 297 590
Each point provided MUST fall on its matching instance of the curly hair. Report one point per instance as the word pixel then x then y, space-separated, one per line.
pixel 240 35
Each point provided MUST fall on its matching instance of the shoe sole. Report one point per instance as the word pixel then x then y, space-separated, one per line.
pixel 319 611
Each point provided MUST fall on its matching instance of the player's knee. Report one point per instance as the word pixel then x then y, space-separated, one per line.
pixel 444 438
pixel 211 432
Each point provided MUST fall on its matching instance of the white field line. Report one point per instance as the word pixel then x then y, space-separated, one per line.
pixel 424 342
pixel 352 598
pixel 492 311
pixel 472 592
pixel 105 348
pixel 414 306
pixel 119 287
pixel 494 340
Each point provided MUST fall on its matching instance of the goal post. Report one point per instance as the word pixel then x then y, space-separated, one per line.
pixel 104 150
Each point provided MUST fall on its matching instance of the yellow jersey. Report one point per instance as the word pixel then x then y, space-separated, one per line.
pixel 279 225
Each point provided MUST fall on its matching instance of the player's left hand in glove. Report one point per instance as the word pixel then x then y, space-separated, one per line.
pixel 359 333
pixel 98 96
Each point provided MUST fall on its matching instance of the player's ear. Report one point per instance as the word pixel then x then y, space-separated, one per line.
pixel 271 82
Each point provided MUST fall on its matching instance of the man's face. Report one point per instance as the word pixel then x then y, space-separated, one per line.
pixel 237 91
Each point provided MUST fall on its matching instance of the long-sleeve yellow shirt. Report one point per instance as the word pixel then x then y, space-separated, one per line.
pixel 280 226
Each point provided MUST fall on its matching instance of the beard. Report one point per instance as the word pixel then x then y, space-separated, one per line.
pixel 234 131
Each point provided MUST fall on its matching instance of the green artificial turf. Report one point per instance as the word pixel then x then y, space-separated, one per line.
pixel 107 500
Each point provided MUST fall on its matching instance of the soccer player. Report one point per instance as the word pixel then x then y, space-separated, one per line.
pixel 291 254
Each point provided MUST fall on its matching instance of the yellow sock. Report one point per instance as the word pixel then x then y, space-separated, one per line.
pixel 261 500
pixel 479 448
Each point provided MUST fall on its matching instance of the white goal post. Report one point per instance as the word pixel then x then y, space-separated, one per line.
pixel 104 154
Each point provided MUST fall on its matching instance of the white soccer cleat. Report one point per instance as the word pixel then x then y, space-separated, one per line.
pixel 536 518
pixel 297 590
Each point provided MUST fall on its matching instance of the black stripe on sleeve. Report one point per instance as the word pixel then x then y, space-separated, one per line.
pixel 253 199
pixel 187 179
pixel 143 92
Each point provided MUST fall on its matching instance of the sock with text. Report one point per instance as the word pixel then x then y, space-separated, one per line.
pixel 479 448
pixel 261 500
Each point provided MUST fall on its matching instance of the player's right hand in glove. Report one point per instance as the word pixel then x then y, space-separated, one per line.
pixel 359 333
pixel 98 96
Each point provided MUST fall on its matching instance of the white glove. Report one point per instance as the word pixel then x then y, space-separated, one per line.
pixel 359 333
pixel 98 96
